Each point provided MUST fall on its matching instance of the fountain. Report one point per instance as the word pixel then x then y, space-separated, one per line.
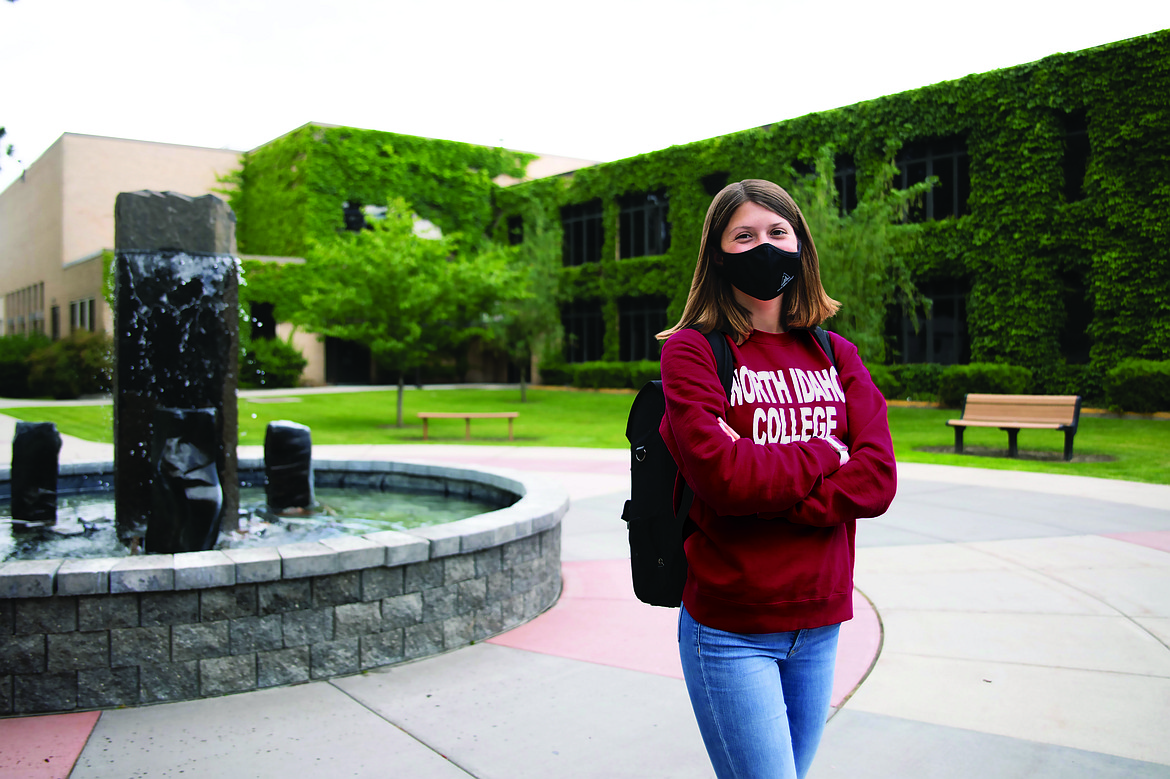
pixel 190 621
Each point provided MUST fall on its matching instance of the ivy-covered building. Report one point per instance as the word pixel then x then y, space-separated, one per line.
pixel 1046 242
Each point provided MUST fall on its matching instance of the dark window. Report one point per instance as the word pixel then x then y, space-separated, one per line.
pixel 1078 314
pixel 263 322
pixel 346 362
pixel 515 230
pixel 641 319
pixel 714 183
pixel 55 321
pixel 941 338
pixel 945 158
pixel 643 227
pixel 845 179
pixel 582 226
pixel 583 331
pixel 1076 154
pixel 355 217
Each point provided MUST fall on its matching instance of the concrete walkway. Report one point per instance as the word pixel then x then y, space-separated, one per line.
pixel 1025 632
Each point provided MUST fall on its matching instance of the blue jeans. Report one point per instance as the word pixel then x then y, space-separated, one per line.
pixel 761 699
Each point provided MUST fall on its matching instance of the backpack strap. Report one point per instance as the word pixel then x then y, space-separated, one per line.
pixel 826 345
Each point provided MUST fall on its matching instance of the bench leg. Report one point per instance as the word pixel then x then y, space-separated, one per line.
pixel 959 440
pixel 509 428
pixel 467 429
pixel 425 420
pixel 1013 449
pixel 1068 444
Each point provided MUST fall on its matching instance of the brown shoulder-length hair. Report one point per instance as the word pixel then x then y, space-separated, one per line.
pixel 711 303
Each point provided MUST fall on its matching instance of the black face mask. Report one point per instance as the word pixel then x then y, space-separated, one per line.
pixel 762 271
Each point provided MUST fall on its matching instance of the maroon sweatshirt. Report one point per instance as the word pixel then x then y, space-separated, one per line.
pixel 775 511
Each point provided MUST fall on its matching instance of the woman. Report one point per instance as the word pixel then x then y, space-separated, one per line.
pixel 781 470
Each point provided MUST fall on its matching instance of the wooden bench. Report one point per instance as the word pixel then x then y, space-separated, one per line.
pixel 1014 413
pixel 467 417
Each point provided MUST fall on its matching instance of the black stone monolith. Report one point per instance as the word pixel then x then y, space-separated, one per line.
pixel 176 337
pixel 35 450
pixel 186 492
pixel 288 465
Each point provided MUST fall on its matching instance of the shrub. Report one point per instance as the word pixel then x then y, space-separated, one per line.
pixel 271 363
pixel 596 375
pixel 918 380
pixel 643 371
pixel 883 377
pixel 1060 379
pixel 80 364
pixel 14 354
pixel 1139 385
pixel 958 380
pixel 554 374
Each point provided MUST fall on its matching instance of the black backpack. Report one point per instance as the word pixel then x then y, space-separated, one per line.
pixel 657 561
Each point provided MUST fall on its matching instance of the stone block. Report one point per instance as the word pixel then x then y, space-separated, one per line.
pixel 458 568
pixel 27 578
pixel 487 561
pixel 76 651
pixel 378 583
pixel 5 694
pixel 355 553
pixel 24 655
pixel 440 603
pixel 85 577
pixel 140 646
pixel 105 612
pixel 256 634
pixel 223 675
pixel 310 626
pixel 550 544
pixel 8 610
pixel 499 585
pixel 445 540
pixel 336 589
pixel 402 610
pixel 46 615
pixel 308 559
pixel 143 573
pixel 423 576
pixel 255 565
pixel 512 610
pixel 521 550
pixel 282 596
pixel 200 570
pixel 472 596
pixel 148 221
pixel 401 548
pixel 356 619
pixel 422 640
pixel 168 608
pixel 457 631
pixel 527 575
pixel 168 681
pixel 228 603
pixel 199 641
pixel 489 530
pixel 335 658
pixel 104 687
pixel 488 622
pixel 381 649
pixel 282 666
pixel 45 692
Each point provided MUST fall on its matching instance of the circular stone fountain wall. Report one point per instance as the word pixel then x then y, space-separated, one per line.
pixel 83 634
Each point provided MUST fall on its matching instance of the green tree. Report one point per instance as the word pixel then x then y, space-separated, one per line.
pixel 404 297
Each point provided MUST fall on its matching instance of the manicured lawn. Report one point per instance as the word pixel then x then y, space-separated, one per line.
pixel 1132 449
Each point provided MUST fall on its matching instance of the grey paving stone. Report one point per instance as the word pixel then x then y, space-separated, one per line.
pixel 282 596
pixel 103 612
pixel 356 619
pixel 309 626
pixel 308 559
pixel 45 692
pixel 139 646
pixel 85 577
pixel 77 651
pixel 168 681
pixel 27 578
pixel 356 553
pixel 228 603
pixel 24 654
pixel 440 603
pixel 402 610
pixel 200 570
pixel 106 687
pixel 424 639
pixel 424 576
pixel 401 548
pixel 143 573
pixel 382 582
pixel 168 608
pixel 336 589
pixel 46 615
pixel 223 675
pixel 199 641
pixel 382 649
pixel 282 666
pixel 335 658
pixel 256 634
pixel 255 565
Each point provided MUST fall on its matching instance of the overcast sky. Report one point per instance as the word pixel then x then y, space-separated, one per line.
pixel 596 79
